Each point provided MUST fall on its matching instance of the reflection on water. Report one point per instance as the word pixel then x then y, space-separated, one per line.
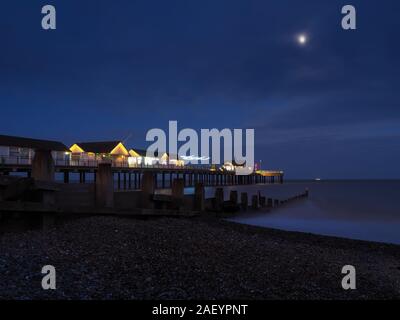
pixel 366 210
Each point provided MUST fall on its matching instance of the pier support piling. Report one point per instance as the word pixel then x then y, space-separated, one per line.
pixel 147 189
pixel 104 186
pixel 178 188
pixel 254 202
pixel 262 202
pixel 199 197
pixel 244 201
pixel 43 166
pixel 233 197
pixel 219 199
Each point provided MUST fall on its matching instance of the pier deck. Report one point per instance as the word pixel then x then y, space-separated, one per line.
pixel 129 176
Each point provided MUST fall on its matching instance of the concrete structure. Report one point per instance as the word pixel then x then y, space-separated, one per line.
pixel 148 188
pixel 104 186
pixel 43 166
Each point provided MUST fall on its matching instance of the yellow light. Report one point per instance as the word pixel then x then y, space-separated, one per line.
pixel 133 153
pixel 120 148
pixel 76 149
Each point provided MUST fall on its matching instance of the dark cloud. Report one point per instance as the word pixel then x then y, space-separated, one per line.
pixel 114 68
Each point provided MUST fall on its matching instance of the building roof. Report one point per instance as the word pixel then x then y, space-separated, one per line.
pixel 98 147
pixel 140 152
pixel 20 142
pixel 143 153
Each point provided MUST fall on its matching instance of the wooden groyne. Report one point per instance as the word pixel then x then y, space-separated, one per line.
pixel 257 202
pixel 29 195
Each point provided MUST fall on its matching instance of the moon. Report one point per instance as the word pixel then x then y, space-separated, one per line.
pixel 302 39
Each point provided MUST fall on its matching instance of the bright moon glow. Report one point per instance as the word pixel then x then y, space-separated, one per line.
pixel 302 39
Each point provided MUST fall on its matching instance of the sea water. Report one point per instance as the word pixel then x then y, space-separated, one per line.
pixel 364 210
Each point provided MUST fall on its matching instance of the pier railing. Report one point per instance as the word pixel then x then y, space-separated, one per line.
pixel 23 161
pixel 127 165
pixel 10 160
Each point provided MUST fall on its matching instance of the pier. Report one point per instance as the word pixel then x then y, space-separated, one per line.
pixel 53 161
pixel 129 177
pixel 107 177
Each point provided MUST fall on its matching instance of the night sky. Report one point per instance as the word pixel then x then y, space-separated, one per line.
pixel 115 69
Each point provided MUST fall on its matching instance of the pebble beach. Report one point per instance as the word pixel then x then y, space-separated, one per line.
pixel 198 258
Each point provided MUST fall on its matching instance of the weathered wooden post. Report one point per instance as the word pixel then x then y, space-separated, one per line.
pixel 147 189
pixel 178 188
pixel 233 197
pixel 219 199
pixel 254 202
pixel 244 201
pixel 199 197
pixel 262 202
pixel 148 182
pixel 104 186
pixel 43 166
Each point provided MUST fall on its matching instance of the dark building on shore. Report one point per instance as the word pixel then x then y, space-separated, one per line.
pixel 13 149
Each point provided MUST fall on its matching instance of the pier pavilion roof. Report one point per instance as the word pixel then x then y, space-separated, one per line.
pixel 105 147
pixel 36 144
pixel 137 152
pixel 143 153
